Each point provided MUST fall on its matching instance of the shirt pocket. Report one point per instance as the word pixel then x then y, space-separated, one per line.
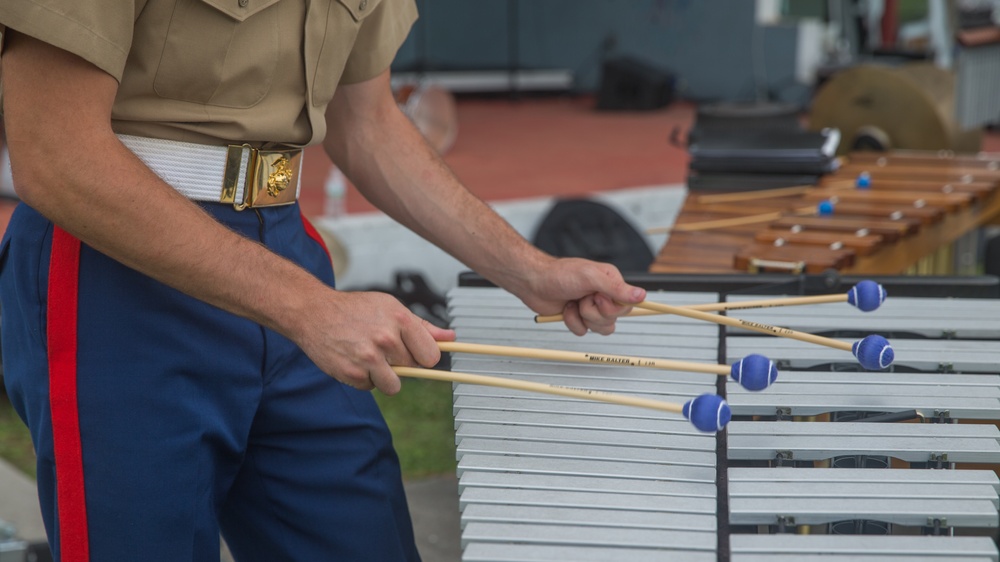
pixel 219 52
pixel 343 23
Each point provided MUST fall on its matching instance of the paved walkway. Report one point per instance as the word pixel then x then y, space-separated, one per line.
pixel 19 503
pixel 434 508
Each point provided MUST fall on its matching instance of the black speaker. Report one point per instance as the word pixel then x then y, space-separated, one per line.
pixel 631 84
pixel 582 228
pixel 991 256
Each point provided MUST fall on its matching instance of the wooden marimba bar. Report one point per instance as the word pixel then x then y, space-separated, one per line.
pixel 543 478
pixel 919 213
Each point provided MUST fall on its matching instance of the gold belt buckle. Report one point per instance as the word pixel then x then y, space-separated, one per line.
pixel 271 178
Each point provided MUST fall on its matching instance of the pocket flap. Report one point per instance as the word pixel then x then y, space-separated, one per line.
pixel 359 8
pixel 240 10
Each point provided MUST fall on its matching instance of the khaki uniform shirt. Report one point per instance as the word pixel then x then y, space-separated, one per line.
pixel 222 71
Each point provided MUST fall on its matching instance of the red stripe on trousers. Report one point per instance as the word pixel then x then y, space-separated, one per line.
pixel 315 235
pixel 64 270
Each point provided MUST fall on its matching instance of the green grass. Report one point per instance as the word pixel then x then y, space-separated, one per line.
pixel 423 429
pixel 15 442
pixel 420 418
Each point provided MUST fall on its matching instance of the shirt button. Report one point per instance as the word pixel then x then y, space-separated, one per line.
pixel 363 5
pixel 243 3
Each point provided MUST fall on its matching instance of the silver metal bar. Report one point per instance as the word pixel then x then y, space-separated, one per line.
pixel 853 547
pixel 558 535
pixel 587 500
pixel 820 441
pixel 514 551
pixel 573 467
pixel 912 512
pixel 958 407
pixel 589 516
pixel 622 486
pixel 581 435
pixel 918 478
pixel 585 452
pixel 897 384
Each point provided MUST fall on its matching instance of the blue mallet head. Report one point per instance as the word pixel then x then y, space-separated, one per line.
pixel 874 352
pixel 825 207
pixel 708 412
pixel 754 372
pixel 867 295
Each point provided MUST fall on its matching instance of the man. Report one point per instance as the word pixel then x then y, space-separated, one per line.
pixel 184 364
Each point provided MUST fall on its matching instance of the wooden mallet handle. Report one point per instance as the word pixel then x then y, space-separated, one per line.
pixel 708 412
pixel 746 325
pixel 517 384
pixel 582 357
pixel 717 306
pixel 865 295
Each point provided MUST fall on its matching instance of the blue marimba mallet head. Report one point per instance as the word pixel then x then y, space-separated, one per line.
pixel 866 295
pixel 873 352
pixel 754 372
pixel 708 412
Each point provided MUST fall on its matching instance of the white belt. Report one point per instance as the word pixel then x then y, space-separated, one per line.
pixel 237 174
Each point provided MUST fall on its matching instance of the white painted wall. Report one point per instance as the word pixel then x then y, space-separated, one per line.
pixel 377 246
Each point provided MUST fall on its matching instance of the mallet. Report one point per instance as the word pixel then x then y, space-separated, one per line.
pixel 708 412
pixel 753 372
pixel 873 352
pixel 866 296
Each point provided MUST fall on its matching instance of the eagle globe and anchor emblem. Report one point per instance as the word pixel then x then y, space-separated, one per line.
pixel 280 178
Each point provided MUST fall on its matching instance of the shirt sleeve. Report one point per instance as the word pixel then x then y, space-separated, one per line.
pixel 98 31
pixel 380 37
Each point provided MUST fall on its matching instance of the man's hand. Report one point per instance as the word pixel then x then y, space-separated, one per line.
pixel 589 295
pixel 357 337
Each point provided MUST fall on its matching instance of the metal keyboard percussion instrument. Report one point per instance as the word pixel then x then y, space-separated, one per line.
pixel 805 471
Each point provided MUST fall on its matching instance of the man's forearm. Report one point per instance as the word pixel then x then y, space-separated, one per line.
pixel 401 174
